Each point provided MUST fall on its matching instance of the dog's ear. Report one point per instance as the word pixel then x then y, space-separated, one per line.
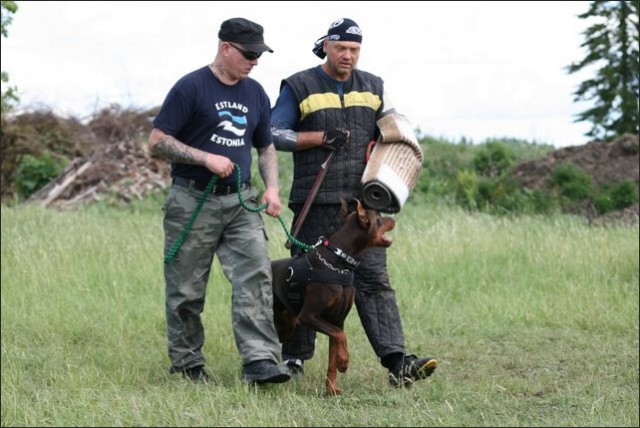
pixel 362 215
pixel 344 209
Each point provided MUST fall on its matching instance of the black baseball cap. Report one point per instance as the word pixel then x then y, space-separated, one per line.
pixel 244 32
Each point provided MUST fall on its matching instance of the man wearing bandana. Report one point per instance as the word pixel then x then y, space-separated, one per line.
pixel 333 109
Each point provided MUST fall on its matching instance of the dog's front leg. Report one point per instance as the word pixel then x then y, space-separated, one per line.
pixel 332 367
pixel 338 360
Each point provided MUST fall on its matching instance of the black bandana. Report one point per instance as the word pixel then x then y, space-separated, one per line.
pixel 344 30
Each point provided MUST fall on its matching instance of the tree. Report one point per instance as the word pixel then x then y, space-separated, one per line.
pixel 9 96
pixel 612 45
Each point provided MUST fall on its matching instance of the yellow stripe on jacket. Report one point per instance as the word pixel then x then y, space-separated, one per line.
pixel 316 102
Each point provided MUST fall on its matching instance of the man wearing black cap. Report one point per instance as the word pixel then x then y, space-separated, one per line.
pixel 329 112
pixel 207 126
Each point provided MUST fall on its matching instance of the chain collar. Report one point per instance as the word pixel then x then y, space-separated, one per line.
pixel 353 263
pixel 330 266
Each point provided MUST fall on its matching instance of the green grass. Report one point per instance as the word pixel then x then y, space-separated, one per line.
pixel 534 321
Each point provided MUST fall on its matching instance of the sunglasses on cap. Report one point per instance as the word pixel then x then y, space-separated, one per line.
pixel 247 54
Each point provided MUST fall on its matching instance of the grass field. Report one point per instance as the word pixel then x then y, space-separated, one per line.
pixel 534 322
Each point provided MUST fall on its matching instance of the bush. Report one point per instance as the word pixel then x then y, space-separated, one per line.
pixel 493 159
pixel 616 197
pixel 467 188
pixel 34 172
pixel 502 196
pixel 624 194
pixel 571 181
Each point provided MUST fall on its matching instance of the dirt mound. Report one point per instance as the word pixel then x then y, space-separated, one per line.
pixel 607 162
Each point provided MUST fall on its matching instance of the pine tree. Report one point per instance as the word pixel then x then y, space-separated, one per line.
pixel 612 45
pixel 9 96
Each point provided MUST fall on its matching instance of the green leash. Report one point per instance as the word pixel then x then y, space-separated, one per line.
pixel 178 243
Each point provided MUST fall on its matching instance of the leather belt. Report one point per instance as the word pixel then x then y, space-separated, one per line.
pixel 218 189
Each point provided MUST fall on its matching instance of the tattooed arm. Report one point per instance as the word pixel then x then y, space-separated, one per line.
pixel 167 147
pixel 268 167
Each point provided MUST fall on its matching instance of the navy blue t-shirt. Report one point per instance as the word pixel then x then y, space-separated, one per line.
pixel 226 120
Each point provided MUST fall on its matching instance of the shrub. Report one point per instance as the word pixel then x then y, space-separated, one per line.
pixel 34 172
pixel 467 188
pixel 624 194
pixel 493 159
pixel 571 181
pixel 616 197
pixel 501 196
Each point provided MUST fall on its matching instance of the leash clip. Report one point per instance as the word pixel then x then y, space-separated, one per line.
pixel 321 240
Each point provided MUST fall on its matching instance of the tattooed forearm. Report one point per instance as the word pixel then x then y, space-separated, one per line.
pixel 171 149
pixel 268 165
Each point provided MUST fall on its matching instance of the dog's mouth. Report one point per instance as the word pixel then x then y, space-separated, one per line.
pixel 386 240
pixel 388 223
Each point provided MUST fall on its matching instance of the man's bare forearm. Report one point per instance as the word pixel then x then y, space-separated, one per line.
pixel 268 165
pixel 167 147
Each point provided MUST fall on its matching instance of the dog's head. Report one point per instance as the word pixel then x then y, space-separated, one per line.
pixel 371 221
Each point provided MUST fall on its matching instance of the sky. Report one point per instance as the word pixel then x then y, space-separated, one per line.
pixel 473 70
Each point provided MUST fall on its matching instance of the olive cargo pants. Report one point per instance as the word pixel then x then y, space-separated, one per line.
pixel 237 236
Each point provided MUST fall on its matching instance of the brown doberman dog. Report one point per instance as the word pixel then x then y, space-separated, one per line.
pixel 324 279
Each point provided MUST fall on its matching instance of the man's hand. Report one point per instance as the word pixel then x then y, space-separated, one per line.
pixel 219 165
pixel 334 139
pixel 272 199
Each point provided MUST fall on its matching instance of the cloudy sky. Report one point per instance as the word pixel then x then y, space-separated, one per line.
pixel 476 70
